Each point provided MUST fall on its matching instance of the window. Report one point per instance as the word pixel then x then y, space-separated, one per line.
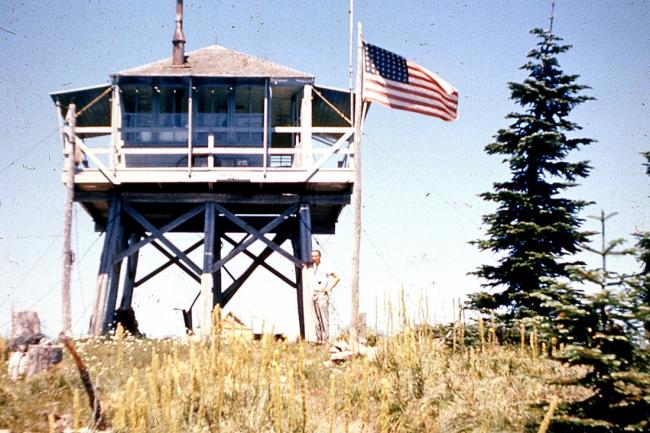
pixel 211 115
pixel 213 100
pixel 138 113
pixel 249 115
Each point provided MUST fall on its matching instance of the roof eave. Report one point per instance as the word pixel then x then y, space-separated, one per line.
pixel 117 77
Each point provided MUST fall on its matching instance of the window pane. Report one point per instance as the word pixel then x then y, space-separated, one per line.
pixel 249 99
pixel 173 100
pixel 136 99
pixel 213 99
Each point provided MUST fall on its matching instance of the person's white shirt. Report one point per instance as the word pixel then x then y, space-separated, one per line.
pixel 324 279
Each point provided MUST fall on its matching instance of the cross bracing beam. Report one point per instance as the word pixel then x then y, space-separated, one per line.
pixel 236 285
pixel 257 234
pixel 176 260
pixel 164 229
pixel 232 277
pixel 335 148
pixel 265 265
pixel 159 233
pixel 172 260
pixel 217 217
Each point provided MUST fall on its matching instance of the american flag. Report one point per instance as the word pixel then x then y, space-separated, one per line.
pixel 395 82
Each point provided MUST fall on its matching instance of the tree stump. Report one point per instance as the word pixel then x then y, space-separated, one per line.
pixel 31 353
pixel 24 323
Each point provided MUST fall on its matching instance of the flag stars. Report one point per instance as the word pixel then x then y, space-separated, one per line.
pixel 385 64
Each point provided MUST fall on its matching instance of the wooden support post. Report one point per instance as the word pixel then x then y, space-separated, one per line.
pixel 106 262
pixel 69 150
pixel 302 308
pixel 216 276
pixel 305 232
pixel 129 278
pixel 120 243
pixel 207 277
pixel 303 251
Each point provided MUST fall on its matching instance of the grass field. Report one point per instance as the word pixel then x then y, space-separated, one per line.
pixel 416 383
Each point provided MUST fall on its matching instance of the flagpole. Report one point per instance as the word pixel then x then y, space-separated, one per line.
pixel 356 195
pixel 350 56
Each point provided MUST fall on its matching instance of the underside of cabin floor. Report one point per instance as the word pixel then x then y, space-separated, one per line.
pixel 255 203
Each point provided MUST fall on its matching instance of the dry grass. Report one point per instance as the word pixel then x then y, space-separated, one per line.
pixel 416 384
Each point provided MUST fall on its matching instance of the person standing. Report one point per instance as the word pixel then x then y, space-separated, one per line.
pixel 323 280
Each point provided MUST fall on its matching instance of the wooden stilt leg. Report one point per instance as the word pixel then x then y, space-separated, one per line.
pixel 120 243
pixel 302 249
pixel 129 278
pixel 295 244
pixel 217 295
pixel 305 232
pixel 105 264
pixel 207 277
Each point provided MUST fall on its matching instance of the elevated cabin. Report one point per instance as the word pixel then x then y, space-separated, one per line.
pixel 218 142
pixel 223 122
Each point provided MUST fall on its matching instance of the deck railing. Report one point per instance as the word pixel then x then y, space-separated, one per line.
pixel 167 149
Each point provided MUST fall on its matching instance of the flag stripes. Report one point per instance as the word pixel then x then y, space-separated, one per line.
pixel 392 81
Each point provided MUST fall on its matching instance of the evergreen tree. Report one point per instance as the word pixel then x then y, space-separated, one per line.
pixel 643 246
pixel 534 229
pixel 604 335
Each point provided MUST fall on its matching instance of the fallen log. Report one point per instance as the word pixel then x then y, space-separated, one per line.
pixel 93 398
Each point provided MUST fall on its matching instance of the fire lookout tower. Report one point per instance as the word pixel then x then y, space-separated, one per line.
pixel 216 142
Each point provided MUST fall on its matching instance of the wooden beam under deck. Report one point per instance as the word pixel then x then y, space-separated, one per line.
pixel 256 205
pixel 204 175
pixel 225 198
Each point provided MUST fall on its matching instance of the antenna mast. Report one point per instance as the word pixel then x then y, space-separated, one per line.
pixel 550 27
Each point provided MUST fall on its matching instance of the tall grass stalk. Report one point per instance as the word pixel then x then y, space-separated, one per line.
pixel 225 383
pixel 481 333
pixel 76 410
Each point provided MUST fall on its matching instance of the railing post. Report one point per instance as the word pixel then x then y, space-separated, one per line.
pixel 117 159
pixel 265 132
pixel 211 150
pixel 189 130
pixel 305 126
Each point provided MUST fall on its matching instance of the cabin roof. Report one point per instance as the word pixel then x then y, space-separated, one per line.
pixel 216 61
